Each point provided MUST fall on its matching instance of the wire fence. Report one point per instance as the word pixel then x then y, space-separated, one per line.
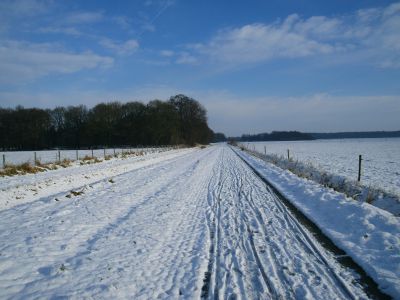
pixel 373 162
pixel 53 156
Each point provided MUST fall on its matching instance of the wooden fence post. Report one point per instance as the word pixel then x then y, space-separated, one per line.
pixel 265 150
pixel 34 158
pixel 59 156
pixel 77 155
pixel 288 154
pixel 359 168
pixel 4 161
pixel 92 154
pixel 104 150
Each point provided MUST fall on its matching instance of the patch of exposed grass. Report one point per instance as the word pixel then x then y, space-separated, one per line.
pixel 64 163
pixel 22 169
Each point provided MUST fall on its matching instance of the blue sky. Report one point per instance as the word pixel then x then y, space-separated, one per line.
pixel 255 65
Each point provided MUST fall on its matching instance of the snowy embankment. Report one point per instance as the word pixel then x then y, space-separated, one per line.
pixel 384 199
pixel 380 158
pixel 27 188
pixel 136 231
pixel 371 236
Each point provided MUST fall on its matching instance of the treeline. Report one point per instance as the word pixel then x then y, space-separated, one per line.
pixel 180 120
pixel 356 135
pixel 274 136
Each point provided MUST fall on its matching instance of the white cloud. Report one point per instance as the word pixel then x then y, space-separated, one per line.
pixel 63 30
pixel 122 21
pixel 124 48
pixel 370 33
pixel 20 61
pixel 84 17
pixel 167 53
pixel 186 58
pixel 258 42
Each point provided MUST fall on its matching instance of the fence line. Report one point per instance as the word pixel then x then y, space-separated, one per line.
pixel 53 156
pixel 289 158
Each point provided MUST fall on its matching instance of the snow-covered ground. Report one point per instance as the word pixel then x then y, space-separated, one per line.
pixel 50 156
pixel 21 189
pixel 371 236
pixel 380 165
pixel 184 224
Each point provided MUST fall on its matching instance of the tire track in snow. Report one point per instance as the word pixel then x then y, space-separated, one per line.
pixel 256 250
pixel 216 282
pixel 213 229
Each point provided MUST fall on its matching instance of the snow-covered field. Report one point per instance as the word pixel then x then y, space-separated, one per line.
pixel 185 223
pixel 380 165
pixel 50 156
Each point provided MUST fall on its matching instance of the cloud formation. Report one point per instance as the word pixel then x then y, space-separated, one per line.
pixel 370 33
pixel 123 48
pixel 84 17
pixel 20 61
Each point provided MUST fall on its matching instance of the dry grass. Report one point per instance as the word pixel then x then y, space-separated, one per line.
pixel 64 163
pixel 22 169
pixel 27 168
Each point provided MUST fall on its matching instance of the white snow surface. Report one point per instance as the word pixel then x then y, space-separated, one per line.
pixel 184 224
pixel 371 236
pixel 20 189
pixel 380 165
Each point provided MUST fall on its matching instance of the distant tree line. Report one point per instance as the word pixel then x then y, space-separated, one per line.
pixel 180 120
pixel 219 137
pixel 274 136
pixel 356 135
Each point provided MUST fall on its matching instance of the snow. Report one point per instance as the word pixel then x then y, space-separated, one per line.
pixel 380 165
pixel 183 224
pixel 27 188
pixel 371 236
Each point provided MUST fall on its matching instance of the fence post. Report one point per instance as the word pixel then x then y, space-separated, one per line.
pixel 359 167
pixel 288 154
pixel 77 156
pixel 92 154
pixel 59 156
pixel 114 152
pixel 265 150
pixel 34 158
pixel 4 161
pixel 104 151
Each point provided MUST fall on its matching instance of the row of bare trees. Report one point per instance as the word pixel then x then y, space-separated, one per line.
pixel 180 120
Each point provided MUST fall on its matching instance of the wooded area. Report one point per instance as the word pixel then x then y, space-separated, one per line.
pixel 274 136
pixel 180 120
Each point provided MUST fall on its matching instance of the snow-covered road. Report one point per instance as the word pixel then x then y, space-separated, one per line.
pixel 194 224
